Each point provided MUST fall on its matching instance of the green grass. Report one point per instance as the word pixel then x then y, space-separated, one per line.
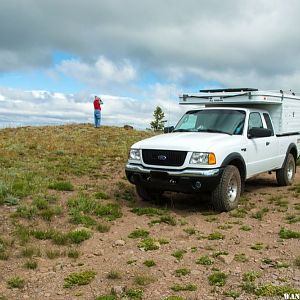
pixel 185 287
pixel 139 233
pixel 259 214
pixel 241 257
pixel 238 213
pixel 288 234
pixel 245 228
pixel 143 280
pixel 232 294
pixel 167 219
pixel 148 211
pixel 134 293
pixel 251 276
pixel 257 246
pixel 31 264
pixel 149 263
pixel 178 254
pixel 204 260
pixel 271 290
pixel 190 231
pixel 101 195
pixel 279 201
pixel 218 253
pixel 16 283
pixel 73 253
pixel 149 244
pixel 216 236
pixel 102 227
pixel 182 272
pixel 292 219
pixel 54 253
pixel 79 278
pixel 61 238
pixel 61 186
pixel 217 279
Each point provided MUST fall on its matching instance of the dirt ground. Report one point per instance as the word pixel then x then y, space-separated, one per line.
pixel 114 251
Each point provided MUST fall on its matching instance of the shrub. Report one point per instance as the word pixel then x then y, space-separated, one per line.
pixel 178 254
pixel 217 279
pixel 16 282
pixel 80 278
pixel 61 186
pixel 204 260
pixel 288 234
pixel 151 263
pixel 138 233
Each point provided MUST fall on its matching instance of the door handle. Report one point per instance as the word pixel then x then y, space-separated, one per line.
pixel 267 143
pixel 244 149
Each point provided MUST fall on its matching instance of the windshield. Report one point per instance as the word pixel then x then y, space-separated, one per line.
pixel 213 120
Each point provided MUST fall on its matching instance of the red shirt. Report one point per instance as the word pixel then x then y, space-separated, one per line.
pixel 97 104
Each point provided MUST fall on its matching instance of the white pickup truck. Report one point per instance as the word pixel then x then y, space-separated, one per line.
pixel 232 135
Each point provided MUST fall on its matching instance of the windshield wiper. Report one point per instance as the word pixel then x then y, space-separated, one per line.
pixel 214 130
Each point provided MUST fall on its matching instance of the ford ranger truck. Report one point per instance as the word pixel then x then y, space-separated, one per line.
pixel 213 149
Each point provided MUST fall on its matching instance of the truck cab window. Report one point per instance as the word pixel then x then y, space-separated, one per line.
pixel 268 122
pixel 255 121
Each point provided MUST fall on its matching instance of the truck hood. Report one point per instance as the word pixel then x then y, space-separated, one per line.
pixel 188 141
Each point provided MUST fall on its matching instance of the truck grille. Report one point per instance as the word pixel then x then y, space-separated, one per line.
pixel 164 157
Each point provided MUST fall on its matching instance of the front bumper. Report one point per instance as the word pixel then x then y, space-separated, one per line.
pixel 185 181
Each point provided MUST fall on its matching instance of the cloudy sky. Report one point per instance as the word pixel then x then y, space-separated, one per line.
pixel 55 55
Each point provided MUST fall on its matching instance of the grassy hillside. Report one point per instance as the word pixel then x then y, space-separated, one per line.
pixel 72 227
pixel 31 158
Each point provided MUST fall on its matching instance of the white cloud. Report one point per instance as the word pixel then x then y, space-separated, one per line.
pixel 42 107
pixel 101 73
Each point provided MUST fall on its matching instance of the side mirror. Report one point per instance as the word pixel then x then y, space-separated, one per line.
pixel 257 132
pixel 168 129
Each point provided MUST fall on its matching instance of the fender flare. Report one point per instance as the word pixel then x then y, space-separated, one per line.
pixel 239 157
pixel 288 151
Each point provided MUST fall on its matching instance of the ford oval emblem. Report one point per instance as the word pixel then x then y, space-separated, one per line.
pixel 161 157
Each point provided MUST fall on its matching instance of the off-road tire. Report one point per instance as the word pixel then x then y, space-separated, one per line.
pixel 285 175
pixel 147 195
pixel 227 194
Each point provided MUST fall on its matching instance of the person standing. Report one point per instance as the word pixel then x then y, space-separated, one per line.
pixel 97 111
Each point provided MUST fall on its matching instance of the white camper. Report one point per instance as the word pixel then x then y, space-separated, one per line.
pixel 283 107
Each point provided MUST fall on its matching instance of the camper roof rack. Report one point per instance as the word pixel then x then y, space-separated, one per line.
pixel 232 90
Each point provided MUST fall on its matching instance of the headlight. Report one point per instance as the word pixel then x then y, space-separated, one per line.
pixel 203 158
pixel 134 154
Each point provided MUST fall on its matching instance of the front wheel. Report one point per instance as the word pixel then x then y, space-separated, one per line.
pixel 285 175
pixel 227 194
pixel 146 194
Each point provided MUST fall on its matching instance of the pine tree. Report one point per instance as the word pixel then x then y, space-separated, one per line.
pixel 157 124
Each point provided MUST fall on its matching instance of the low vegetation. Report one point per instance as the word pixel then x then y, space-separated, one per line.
pixel 68 209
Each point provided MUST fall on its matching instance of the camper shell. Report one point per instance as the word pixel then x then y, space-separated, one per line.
pixel 283 107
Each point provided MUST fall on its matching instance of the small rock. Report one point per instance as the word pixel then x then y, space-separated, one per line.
pixel 59 292
pixel 47 295
pixel 99 252
pixel 118 243
pixel 227 259
pixel 26 297
pixel 117 290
